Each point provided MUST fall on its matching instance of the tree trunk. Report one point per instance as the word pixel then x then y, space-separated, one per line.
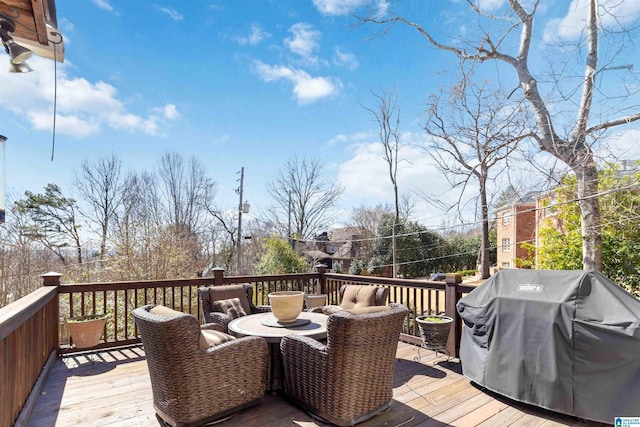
pixel 484 247
pixel 587 180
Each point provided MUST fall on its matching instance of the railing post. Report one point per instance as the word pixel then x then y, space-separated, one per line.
pixel 218 276
pixel 51 279
pixel 56 328
pixel 322 285
pixel 451 298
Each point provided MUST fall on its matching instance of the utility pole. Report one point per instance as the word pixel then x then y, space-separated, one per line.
pixel 289 227
pixel 240 207
pixel 394 251
pixel 3 168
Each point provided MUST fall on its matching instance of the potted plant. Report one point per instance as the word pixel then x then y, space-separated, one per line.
pixel 86 331
pixel 434 330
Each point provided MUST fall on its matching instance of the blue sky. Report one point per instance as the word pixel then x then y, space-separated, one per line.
pixel 242 83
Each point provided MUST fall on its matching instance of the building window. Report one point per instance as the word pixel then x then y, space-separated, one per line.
pixel 505 265
pixel 506 218
pixel 506 245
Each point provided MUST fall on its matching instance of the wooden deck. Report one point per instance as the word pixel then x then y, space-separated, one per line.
pixel 112 388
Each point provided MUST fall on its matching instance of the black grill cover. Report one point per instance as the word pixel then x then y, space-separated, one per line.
pixel 568 341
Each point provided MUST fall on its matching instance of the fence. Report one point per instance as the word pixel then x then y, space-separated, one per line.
pixel 32 329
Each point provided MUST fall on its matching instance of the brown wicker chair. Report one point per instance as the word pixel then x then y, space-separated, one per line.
pixel 357 297
pixel 350 379
pixel 194 383
pixel 209 295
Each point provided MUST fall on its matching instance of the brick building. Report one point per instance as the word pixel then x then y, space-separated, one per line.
pixel 516 224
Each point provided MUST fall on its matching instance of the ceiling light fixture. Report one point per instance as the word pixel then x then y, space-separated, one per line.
pixel 19 54
pixel 19 68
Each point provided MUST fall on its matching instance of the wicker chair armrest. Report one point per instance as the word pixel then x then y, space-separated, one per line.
pixel 222 361
pixel 221 319
pixel 382 295
pixel 214 326
pixel 247 344
pixel 298 342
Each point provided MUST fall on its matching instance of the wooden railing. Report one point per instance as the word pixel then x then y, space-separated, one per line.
pixel 422 297
pixel 32 329
pixel 28 340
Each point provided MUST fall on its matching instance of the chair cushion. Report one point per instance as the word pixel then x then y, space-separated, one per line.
pixel 211 338
pixel 161 310
pixel 367 310
pixel 232 307
pixel 356 296
pixel 217 293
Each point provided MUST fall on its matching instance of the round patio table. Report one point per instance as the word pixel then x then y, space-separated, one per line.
pixel 254 325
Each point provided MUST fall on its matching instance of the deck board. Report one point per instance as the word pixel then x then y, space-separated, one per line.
pixel 112 388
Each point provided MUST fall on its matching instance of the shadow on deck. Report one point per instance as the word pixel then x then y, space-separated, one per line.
pixel 112 388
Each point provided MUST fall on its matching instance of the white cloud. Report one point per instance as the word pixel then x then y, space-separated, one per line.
pixel 345 7
pixel 307 89
pixel 304 41
pixel 171 112
pixel 622 145
pixel 572 25
pixel 67 125
pixel 342 139
pixel 345 59
pixel 173 14
pixel 256 36
pixel 336 7
pixel 365 176
pixel 490 5
pixel 83 107
pixel 103 4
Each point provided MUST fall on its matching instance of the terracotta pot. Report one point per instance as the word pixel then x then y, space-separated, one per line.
pixel 434 334
pixel 286 305
pixel 86 331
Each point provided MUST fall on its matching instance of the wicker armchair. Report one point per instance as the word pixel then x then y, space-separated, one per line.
pixel 357 298
pixel 195 381
pixel 350 379
pixel 209 295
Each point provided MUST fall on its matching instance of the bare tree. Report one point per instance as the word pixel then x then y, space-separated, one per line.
pixel 186 190
pixel 299 189
pixel 574 149
pixel 224 235
pixel 148 246
pixel 22 259
pixel 474 130
pixel 134 226
pixel 369 219
pixel 386 113
pixel 100 185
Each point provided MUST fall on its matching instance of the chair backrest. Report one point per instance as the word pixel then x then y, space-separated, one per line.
pixel 359 296
pixel 166 332
pixel 364 344
pixel 209 295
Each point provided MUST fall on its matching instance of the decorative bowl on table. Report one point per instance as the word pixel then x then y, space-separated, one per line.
pixel 286 306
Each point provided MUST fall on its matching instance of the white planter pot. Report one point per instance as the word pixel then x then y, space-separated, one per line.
pixel 313 301
pixel 286 306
